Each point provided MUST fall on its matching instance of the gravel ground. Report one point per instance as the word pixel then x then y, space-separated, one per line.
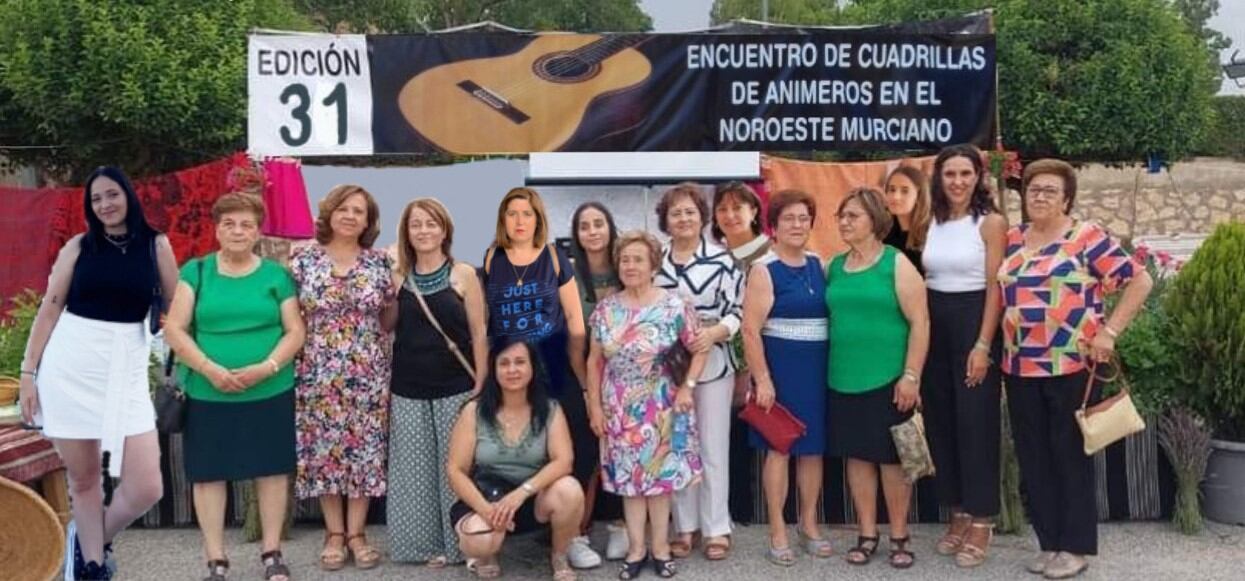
pixel 1129 552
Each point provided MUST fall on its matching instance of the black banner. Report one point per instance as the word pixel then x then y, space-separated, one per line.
pixel 811 90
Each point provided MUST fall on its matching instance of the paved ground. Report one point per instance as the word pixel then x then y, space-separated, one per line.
pixel 1129 552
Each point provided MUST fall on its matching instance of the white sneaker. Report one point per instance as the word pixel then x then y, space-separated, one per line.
pixel 581 555
pixel 618 544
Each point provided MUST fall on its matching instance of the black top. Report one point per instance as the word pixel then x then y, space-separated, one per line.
pixel 111 285
pixel 898 238
pixel 423 365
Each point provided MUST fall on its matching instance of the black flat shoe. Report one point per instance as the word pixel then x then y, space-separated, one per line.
pixel 664 568
pixel 631 569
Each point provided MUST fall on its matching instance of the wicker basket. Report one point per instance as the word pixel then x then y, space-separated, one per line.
pixel 9 389
pixel 32 542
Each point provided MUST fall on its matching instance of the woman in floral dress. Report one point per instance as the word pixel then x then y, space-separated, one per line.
pixel 635 404
pixel 343 372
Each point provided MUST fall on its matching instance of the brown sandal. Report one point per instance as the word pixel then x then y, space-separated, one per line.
pixel 680 547
pixel 717 548
pixel 365 556
pixel 333 558
pixel 951 542
pixel 976 545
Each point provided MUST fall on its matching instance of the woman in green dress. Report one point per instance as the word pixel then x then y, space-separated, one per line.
pixel 235 327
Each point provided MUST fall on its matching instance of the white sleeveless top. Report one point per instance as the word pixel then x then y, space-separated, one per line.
pixel 955 256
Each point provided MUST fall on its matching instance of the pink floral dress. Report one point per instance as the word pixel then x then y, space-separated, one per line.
pixel 342 375
pixel 637 394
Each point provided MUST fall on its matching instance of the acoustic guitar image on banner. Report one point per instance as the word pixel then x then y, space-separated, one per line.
pixel 532 100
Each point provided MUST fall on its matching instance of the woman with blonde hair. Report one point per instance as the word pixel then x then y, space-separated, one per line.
pixel 906 192
pixel 440 359
pixel 344 285
pixel 531 294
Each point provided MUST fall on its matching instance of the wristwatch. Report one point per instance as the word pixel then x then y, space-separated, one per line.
pixel 528 488
pixel 690 383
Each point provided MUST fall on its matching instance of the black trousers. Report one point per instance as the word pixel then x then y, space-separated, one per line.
pixel 962 423
pixel 1056 475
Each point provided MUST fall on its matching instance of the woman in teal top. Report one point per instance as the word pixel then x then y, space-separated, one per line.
pixel 510 463
pixel 879 333
pixel 235 326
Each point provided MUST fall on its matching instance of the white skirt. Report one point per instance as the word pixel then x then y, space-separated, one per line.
pixel 93 383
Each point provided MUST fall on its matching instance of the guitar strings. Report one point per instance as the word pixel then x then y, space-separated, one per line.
pixel 597 50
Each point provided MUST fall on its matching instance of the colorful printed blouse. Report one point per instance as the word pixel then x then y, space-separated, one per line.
pixel 1053 297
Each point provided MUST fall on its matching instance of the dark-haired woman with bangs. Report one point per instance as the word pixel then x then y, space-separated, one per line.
pixel 510 463
pixel 84 374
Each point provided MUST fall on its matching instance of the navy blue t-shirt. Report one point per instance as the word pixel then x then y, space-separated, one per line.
pixel 531 310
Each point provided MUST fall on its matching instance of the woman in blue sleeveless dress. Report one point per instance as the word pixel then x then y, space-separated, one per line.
pixel 784 331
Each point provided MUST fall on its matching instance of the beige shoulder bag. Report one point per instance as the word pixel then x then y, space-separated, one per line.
pixel 1111 419
pixel 437 325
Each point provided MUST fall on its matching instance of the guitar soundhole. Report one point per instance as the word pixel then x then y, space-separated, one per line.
pixel 565 67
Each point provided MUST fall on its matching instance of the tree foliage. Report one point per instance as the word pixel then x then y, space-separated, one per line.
pixel 421 15
pixel 1100 80
pixel 151 86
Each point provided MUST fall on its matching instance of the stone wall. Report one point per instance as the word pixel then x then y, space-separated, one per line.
pixel 1190 199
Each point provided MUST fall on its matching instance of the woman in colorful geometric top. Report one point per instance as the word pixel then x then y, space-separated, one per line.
pixel 1055 274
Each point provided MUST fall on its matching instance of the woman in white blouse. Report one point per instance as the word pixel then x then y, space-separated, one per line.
pixel 707 275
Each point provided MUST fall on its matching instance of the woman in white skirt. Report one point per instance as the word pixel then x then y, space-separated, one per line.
pixel 84 376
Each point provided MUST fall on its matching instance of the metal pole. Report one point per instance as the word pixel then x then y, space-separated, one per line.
pixel 764 10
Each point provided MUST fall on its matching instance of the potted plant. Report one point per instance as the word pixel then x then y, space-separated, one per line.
pixel 15 325
pixel 1207 335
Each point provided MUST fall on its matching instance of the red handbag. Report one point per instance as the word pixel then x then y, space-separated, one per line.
pixel 778 426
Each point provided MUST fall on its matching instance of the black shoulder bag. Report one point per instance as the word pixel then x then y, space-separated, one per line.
pixel 170 397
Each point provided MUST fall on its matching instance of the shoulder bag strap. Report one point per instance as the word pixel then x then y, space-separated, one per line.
pixel 419 296
pixel 1093 376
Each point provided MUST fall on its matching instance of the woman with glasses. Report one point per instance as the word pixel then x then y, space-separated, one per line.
pixel 1054 278
pixel 784 330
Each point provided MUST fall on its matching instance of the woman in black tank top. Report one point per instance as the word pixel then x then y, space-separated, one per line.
pixel 84 376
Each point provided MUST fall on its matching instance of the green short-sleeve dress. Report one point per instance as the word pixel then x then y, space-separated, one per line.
pixel 237 322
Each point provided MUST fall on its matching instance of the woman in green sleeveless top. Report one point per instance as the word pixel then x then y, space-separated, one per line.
pixel 510 464
pixel 879 334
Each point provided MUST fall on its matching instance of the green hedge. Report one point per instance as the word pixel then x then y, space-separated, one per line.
pixel 1226 137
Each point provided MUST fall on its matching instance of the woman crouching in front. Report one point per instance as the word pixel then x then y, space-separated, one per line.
pixel 510 464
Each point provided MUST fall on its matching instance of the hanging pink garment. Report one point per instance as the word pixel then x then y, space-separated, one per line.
pixel 288 211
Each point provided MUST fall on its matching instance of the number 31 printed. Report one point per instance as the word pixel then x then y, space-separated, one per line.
pixel 302 98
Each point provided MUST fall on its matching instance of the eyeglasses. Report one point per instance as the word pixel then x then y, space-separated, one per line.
pixel 793 220
pixel 1044 192
pixel 850 216
pixel 677 214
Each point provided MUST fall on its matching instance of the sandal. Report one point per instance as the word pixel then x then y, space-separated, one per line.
pixel 819 548
pixel 218 570
pixel 863 552
pixel 901 557
pixel 664 568
pixel 365 556
pixel 681 546
pixel 784 557
pixel 333 558
pixel 562 570
pixel 976 545
pixel 717 548
pixel 437 562
pixel 631 569
pixel 487 568
pixel 274 566
pixel 950 542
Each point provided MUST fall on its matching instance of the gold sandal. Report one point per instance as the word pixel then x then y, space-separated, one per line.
pixel 333 558
pixel 951 542
pixel 562 570
pixel 365 556
pixel 976 545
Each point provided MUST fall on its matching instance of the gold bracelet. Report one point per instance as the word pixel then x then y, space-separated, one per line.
pixel 1111 330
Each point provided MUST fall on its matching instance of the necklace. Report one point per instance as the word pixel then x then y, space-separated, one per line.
pixel 518 278
pixel 120 241
pixel 803 276
pixel 430 283
pixel 867 264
